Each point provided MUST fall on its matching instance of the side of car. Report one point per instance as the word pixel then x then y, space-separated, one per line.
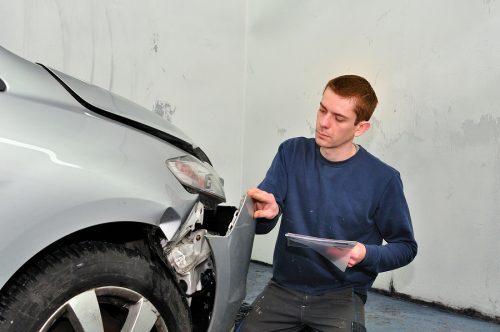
pixel 110 216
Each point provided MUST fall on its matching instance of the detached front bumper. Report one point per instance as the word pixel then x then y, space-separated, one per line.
pixel 231 255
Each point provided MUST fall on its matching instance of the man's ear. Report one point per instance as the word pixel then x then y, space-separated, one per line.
pixel 363 126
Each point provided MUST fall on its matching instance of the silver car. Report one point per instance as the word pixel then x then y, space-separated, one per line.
pixel 111 217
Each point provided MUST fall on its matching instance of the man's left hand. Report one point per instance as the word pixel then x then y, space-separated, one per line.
pixel 358 253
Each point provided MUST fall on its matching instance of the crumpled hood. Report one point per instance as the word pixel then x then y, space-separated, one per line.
pixel 113 103
pixel 22 77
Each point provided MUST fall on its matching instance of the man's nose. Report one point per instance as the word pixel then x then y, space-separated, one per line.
pixel 324 120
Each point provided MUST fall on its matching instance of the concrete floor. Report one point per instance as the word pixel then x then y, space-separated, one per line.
pixel 384 313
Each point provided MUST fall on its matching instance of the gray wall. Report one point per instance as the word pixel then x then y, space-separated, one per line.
pixel 435 67
pixel 240 77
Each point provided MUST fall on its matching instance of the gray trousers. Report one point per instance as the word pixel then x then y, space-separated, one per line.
pixel 281 309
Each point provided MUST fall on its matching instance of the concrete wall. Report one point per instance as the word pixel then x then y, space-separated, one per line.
pixel 183 59
pixel 435 68
pixel 234 71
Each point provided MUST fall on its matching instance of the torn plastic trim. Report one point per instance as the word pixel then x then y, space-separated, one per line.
pixel 189 225
pixel 232 254
pixel 181 144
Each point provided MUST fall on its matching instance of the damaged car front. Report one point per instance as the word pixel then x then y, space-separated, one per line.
pixel 112 218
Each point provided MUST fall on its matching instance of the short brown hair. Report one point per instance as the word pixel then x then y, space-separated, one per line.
pixel 352 86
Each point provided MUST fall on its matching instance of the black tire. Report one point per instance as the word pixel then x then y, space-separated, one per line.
pixel 120 279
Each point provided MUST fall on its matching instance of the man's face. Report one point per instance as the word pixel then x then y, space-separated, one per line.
pixel 335 126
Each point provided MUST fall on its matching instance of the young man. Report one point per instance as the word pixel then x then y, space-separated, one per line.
pixel 330 187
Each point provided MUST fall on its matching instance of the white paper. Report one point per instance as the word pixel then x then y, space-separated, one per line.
pixel 337 252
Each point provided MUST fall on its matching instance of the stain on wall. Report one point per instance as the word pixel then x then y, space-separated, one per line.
pixel 311 127
pixel 156 38
pixel 281 131
pixel 486 130
pixel 164 109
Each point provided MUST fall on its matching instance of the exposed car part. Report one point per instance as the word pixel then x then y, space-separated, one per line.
pixel 93 286
pixel 194 218
pixel 187 258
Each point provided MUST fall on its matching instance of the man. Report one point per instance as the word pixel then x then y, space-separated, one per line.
pixel 329 187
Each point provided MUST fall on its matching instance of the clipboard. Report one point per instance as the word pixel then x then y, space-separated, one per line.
pixel 338 252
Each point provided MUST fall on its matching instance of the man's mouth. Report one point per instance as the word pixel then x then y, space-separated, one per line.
pixel 321 135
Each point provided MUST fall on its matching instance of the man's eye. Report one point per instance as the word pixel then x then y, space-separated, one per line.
pixel 339 119
pixel 321 110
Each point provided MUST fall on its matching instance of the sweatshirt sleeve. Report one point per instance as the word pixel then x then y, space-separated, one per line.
pixel 275 182
pixel 394 224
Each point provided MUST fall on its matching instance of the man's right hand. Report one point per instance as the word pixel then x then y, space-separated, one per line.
pixel 265 204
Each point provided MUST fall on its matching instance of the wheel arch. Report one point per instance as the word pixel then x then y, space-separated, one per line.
pixel 142 237
pixel 42 275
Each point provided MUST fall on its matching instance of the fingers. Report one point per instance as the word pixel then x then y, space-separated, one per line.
pixel 268 212
pixel 264 214
pixel 258 195
pixel 261 196
pixel 264 210
pixel 265 203
pixel 358 253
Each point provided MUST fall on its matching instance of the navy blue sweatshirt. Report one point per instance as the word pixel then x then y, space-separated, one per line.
pixel 359 199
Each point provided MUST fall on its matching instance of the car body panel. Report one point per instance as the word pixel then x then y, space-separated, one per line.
pixel 231 250
pixel 26 79
pixel 103 173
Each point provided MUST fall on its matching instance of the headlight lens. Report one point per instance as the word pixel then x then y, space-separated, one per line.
pixel 197 175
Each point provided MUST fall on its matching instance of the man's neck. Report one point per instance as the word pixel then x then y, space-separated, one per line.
pixel 339 153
